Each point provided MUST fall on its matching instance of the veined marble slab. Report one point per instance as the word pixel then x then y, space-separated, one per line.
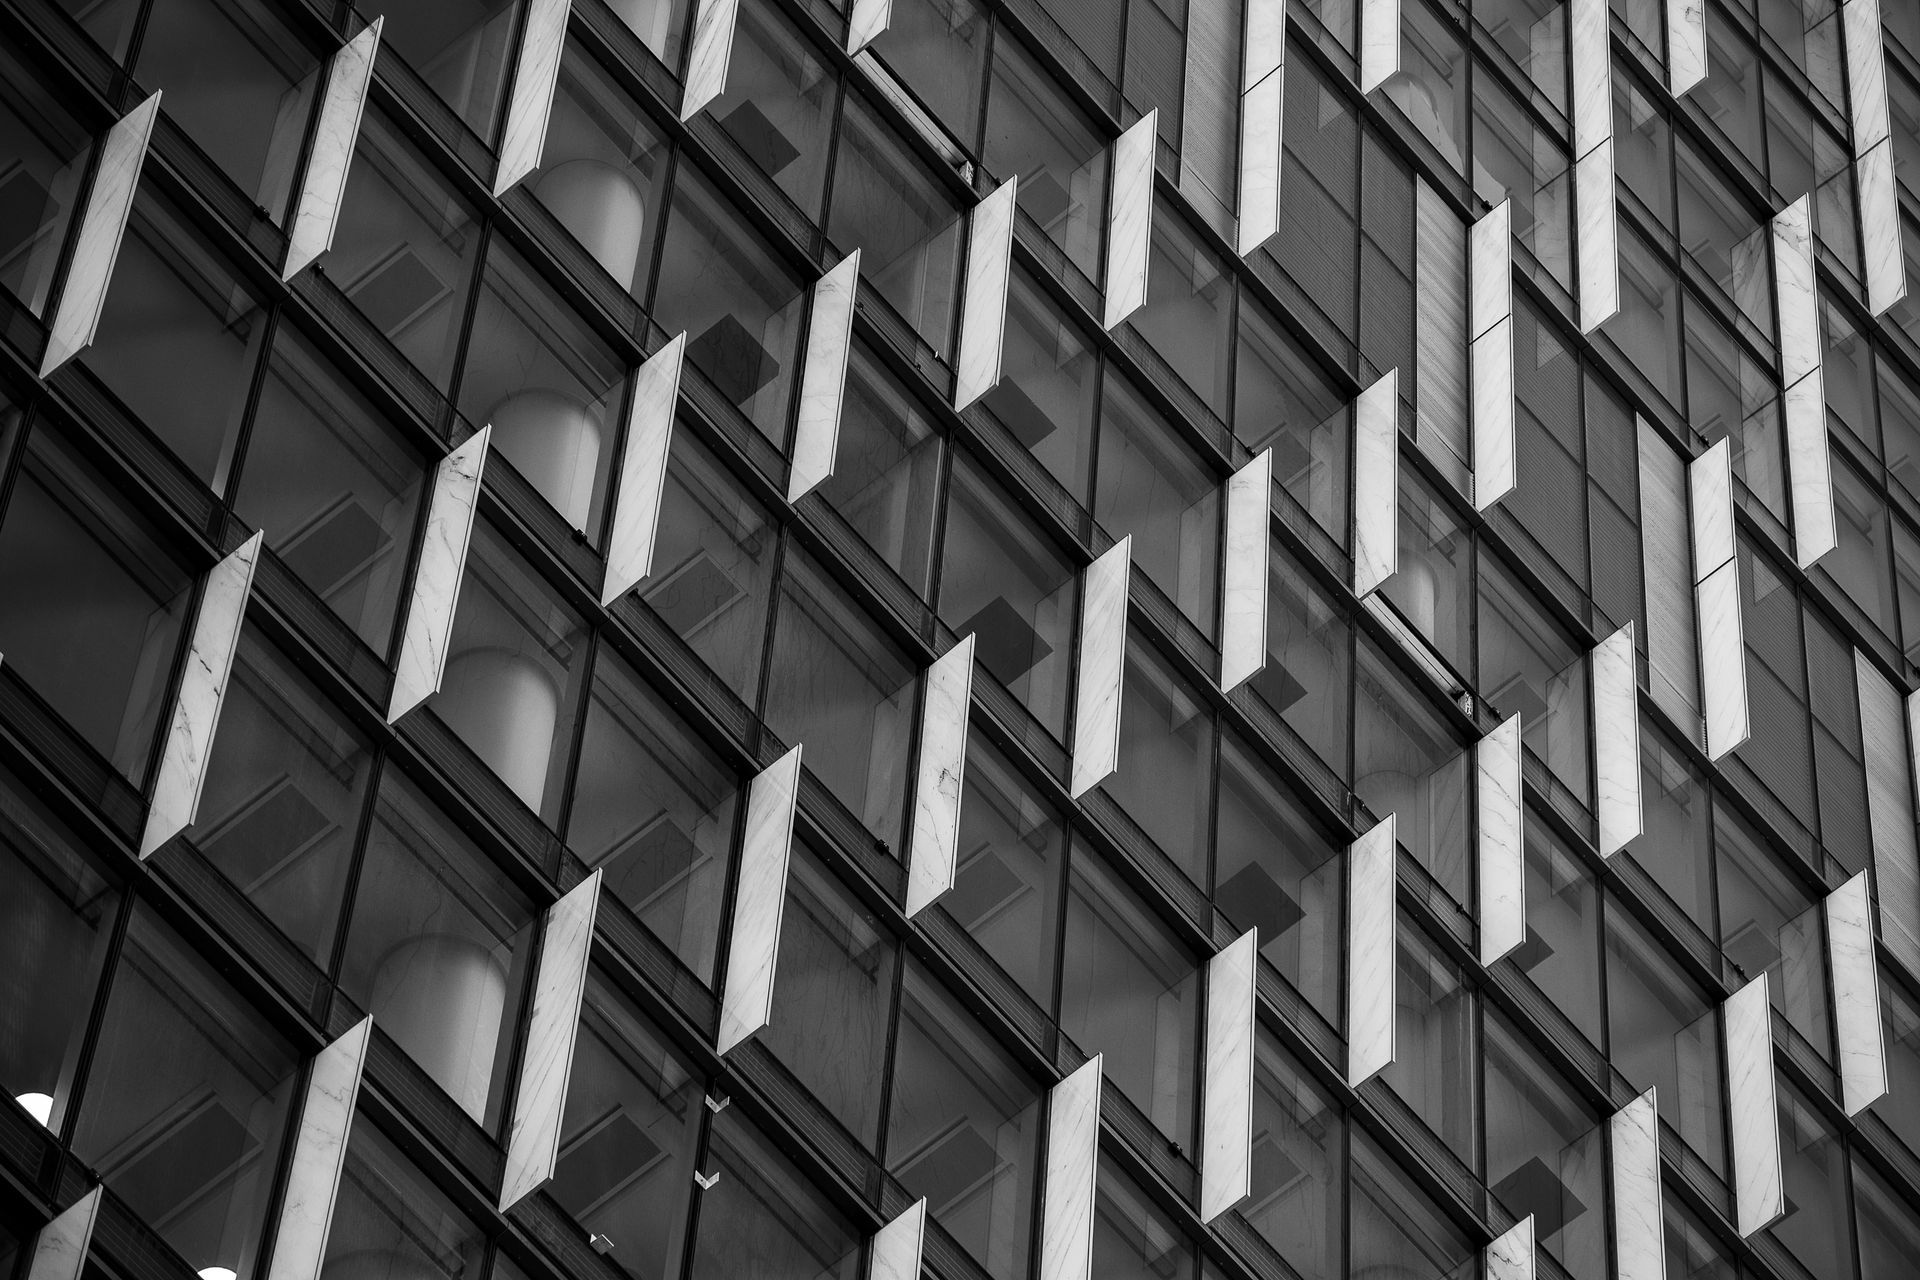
pixel 319 1154
pixel 1502 848
pixel 1262 136
pixel 1598 214
pixel 1073 1166
pixel 1511 1256
pixel 711 53
pixel 1490 269
pixel 941 778
pixel 1130 219
pixel 1809 468
pixel 60 1250
pixel 894 1253
pixel 1860 27
pixel 1856 996
pixel 1616 741
pixel 1793 282
pixel 1686 45
pixel 1226 1113
pixel 203 690
pixel 1266 41
pixel 1753 1116
pixel 1723 659
pixel 1379 42
pixel 868 22
pixel 437 576
pixel 643 470
pixel 535 74
pixel 983 307
pixel 1885 256
pixel 1243 572
pixel 1376 484
pixel 1103 667
pixel 1710 487
pixel 1494 450
pixel 823 377
pixel 1592 59
pixel 1373 944
pixel 334 135
pixel 103 222
pixel 546 1065
pixel 1638 1220
pixel 746 999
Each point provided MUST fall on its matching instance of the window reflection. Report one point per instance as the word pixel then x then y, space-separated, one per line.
pixel 43 157
pixel 462 49
pixel 1663 1034
pixel 886 475
pixel 1543 1154
pixel 390 1223
pixel 1297 1181
pixel 1034 133
pixel 762 1218
pixel 779 103
pixel 1152 485
pixel 1006 889
pixel 1434 1057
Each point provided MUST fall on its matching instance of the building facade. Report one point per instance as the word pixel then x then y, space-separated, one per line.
pixel 762 639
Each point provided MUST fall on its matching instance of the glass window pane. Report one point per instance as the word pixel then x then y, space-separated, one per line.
pixel 1431 84
pixel 43 157
pixel 1662 1033
pixel 1048 385
pixel 1889 1232
pixel 939 48
pixel 390 1222
pixel 1407 762
pixel 1900 1017
pixel 1307 679
pixel 1036 134
pixel 462 49
pixel 188 1101
pixel 1396 1230
pixel 762 1218
pixel 1164 779
pixel 1006 890
pixel 1434 1064
pixel 1543 1154
pixel 1770 924
pixel 95 604
pixel 515 660
pixel 1297 1201
pixel 1528 667
pixel 1281 402
pixel 1433 589
pixel 1188 318
pixel 1813 1166
pixel 1673 847
pixel 963 1128
pixel 438 947
pixel 337 492
pixel 779 102
pixel 1154 486
pixel 1647 326
pixel 886 474
pixel 1561 953
pixel 286 783
pixel 654 807
pixel 1133 1238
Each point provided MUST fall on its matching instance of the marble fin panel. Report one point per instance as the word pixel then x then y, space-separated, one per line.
pixel 643 471
pixel 1490 269
pixel 319 1154
pixel 1598 215
pixel 60 1251
pixel 1638 1222
pixel 1244 576
pixel 868 22
pixel 1753 1115
pixel 1502 851
pixel 1376 484
pixel 437 576
pixel 1793 282
pixel 1265 50
pixel 1373 932
pixel 103 222
pixel 1588 22
pixel 760 899
pixel 940 781
pixel 1710 493
pixel 1616 741
pixel 1885 255
pixel 1226 1112
pixel 1379 42
pixel 1810 469
pixel 1857 1022
pixel 1860 28
pixel 1510 1257
pixel 983 308
pixel 1103 667
pixel 711 52
pixel 894 1253
pixel 1073 1166
pixel 335 132
pixel 823 377
pixel 1686 45
pixel 1130 219
pixel 530 103
pixel 1262 138
pixel 1723 659
pixel 1495 454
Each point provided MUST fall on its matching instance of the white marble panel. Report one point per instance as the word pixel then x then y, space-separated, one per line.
pixel 1494 450
pixel 1243 572
pixel 1866 72
pixel 1261 137
pixel 760 899
pixel 1753 1116
pixel 941 780
pixel 1490 269
pixel 1502 848
pixel 868 22
pixel 319 1154
pixel 1103 667
pixel 643 470
pixel 1723 659
pixel 823 377
pixel 711 52
pixel 1809 468
pixel 1379 42
pixel 1638 1223
pixel 1130 219
pixel 1856 995
pixel 546 1065
pixel 1599 251
pixel 1073 1165
pixel 1376 483
pixel 1686 44
pixel 1673 675
pixel 1793 282
pixel 102 222
pixel 60 1251
pixel 534 77
pixel 983 308
pixel 436 578
pixel 1226 1107
pixel 1710 488
pixel 1511 1256
pixel 894 1253
pixel 1266 41
pixel 1880 227
pixel 1373 941
pixel 1616 741
pixel 1592 59
pixel 334 135
pixel 196 706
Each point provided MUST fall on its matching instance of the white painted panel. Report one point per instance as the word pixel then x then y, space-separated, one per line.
pixel 1373 932
pixel 983 308
pixel 1226 1114
pixel 1753 1115
pixel 1103 667
pixel 334 135
pixel 546 1064
pixel 203 689
pixel 1494 449
pixel 1243 572
pixel 869 21
pixel 1592 60
pixel 1598 215
pixel 1710 486
pixel 1616 741
pixel 759 902
pixel 1511 1256
pixel 711 52
pixel 896 1247
pixel 823 377
pixel 60 1250
pixel 1880 228
pixel 1856 996
pixel 643 470
pixel 1073 1165
pixel 1639 1219
pixel 1809 469
pixel 1376 484
pixel 535 74
pixel 1723 660
pixel 319 1154
pixel 102 224
pixel 941 778
pixel 1130 219
pixel 1262 136
pixel 1686 45
pixel 1502 849
pixel 1379 42
pixel 1490 269
pixel 437 576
